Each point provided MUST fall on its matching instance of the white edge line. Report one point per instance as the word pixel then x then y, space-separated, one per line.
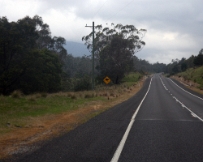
pixel 186 91
pixel 192 113
pixel 125 136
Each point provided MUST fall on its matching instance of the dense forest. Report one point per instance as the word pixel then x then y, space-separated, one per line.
pixel 177 66
pixel 32 60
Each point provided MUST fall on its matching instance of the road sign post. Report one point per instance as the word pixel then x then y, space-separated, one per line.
pixel 92 54
pixel 107 80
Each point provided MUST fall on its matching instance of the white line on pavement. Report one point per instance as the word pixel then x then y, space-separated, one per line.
pixel 186 91
pixel 125 136
pixel 192 113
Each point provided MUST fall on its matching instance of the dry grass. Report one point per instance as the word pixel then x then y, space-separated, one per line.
pixel 17 94
pixel 189 84
pixel 20 139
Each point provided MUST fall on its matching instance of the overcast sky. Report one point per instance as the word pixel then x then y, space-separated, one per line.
pixel 174 27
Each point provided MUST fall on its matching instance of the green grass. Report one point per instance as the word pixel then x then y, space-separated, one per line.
pixel 12 109
pixel 17 108
pixel 131 79
pixel 193 74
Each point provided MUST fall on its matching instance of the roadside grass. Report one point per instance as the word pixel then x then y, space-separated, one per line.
pixel 193 74
pixel 14 110
pixel 132 77
pixel 25 119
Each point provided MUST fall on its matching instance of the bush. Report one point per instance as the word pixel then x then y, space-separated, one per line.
pixel 44 94
pixel 32 98
pixel 83 84
pixel 73 97
pixel 88 96
pixel 16 94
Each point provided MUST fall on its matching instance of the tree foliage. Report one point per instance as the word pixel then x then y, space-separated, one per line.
pixel 30 59
pixel 75 71
pixel 42 74
pixel 198 60
pixel 114 48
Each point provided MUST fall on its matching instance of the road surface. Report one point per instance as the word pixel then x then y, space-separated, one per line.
pixel 162 122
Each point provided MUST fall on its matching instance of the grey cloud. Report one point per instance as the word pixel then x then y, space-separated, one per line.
pixel 160 16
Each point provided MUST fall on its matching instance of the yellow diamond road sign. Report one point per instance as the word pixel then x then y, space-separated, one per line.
pixel 107 80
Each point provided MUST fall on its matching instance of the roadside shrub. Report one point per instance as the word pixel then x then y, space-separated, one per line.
pixel 69 94
pixel 88 95
pixel 16 94
pixel 81 95
pixel 105 94
pixel 83 84
pixel 73 97
pixel 44 94
pixel 32 98
pixel 200 86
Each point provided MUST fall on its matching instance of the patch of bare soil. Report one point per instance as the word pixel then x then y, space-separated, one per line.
pixel 189 84
pixel 22 140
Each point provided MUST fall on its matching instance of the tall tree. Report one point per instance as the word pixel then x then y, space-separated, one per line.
pixel 190 61
pixel 16 40
pixel 42 75
pixel 27 52
pixel 199 58
pixel 114 48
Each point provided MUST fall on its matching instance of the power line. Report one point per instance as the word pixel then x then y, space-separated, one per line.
pixel 95 14
pixel 100 8
pixel 122 8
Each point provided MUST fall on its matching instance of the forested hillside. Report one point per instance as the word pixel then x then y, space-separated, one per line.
pixel 114 48
pixel 177 66
pixel 32 60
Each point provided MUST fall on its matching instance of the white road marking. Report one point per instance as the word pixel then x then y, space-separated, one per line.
pixel 185 90
pixel 192 113
pixel 125 136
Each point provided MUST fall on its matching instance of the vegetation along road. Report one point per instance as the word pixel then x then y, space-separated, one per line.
pixel 162 122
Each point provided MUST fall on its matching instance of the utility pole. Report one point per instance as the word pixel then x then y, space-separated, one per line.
pixel 92 54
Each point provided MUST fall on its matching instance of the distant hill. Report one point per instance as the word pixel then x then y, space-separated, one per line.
pixel 76 49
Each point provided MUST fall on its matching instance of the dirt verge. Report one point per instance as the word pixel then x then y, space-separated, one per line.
pixel 22 140
pixel 189 84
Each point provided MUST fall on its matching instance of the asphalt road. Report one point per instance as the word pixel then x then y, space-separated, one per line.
pixel 162 122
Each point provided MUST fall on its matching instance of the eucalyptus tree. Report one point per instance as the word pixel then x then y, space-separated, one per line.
pixel 198 60
pixel 46 41
pixel 29 56
pixel 114 48
pixel 16 41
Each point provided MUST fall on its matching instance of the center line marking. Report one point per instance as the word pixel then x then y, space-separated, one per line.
pixel 125 136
